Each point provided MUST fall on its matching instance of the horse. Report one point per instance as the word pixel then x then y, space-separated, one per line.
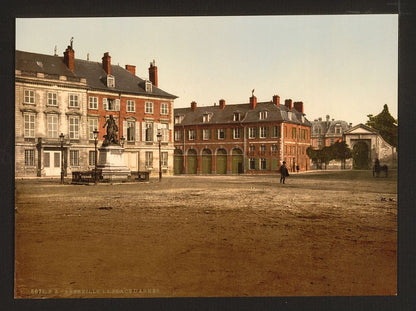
pixel 380 168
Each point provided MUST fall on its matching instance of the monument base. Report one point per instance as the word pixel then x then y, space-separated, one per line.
pixel 111 163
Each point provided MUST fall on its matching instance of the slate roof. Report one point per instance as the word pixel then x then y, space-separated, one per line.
pixel 328 127
pixel 95 75
pixel 275 114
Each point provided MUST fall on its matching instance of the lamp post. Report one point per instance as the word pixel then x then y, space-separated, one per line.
pixel 159 139
pixel 61 139
pixel 122 140
pixel 95 132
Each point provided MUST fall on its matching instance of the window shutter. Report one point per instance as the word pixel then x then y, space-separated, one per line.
pixel 247 129
pixel 124 134
pixel 256 164
pixel 117 105
pixel 105 104
pixel 201 135
pixel 143 131
pixel 267 164
pixel 225 133
pixel 247 164
pixel 137 129
pixel 155 129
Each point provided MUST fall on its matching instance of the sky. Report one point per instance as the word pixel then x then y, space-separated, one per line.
pixel 344 66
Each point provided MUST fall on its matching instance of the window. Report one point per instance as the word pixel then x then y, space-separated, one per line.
pixel 131 130
pixel 263 131
pixel 252 163
pixel 91 158
pixel 93 103
pixel 262 115
pixel 178 119
pixel 191 134
pixel 206 117
pixel 73 157
pixel 206 134
pixel 252 132
pixel 163 127
pixel 252 148
pixel 73 101
pixel 221 133
pixel 92 125
pixel 29 97
pixel 236 133
pixel 276 131
pixel 131 106
pixel 149 131
pixel 148 86
pixel 293 133
pixel 178 135
pixel 164 109
pixel 52 99
pixel 29 157
pixel 274 148
pixel 262 148
pixel 149 107
pixel 111 81
pixel 338 130
pixel 57 159
pixel 164 159
pixel 149 159
pixel 237 116
pixel 263 164
pixel 52 120
pixel 331 141
pixel 29 125
pixel 73 128
pixel 111 104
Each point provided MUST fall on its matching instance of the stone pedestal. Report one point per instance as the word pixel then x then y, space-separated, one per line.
pixel 111 163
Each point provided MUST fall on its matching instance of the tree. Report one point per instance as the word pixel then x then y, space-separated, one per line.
pixel 385 124
pixel 341 152
pixel 337 151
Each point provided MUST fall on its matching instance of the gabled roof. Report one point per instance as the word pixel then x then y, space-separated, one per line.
pixel 362 129
pixel 247 115
pixel 95 75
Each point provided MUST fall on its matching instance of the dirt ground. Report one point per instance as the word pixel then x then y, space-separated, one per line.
pixel 321 233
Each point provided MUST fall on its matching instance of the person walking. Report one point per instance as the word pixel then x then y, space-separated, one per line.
pixel 283 172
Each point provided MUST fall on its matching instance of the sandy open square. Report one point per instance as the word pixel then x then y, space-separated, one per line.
pixel 322 233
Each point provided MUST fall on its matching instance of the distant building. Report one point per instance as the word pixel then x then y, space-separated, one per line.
pixel 241 138
pixel 55 95
pixel 326 133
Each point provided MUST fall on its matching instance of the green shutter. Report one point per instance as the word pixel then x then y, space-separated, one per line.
pixel 247 163
pixel 257 164
pixel 267 164
pixel 274 164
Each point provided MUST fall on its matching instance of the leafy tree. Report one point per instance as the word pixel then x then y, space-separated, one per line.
pixel 385 124
pixel 337 151
pixel 341 151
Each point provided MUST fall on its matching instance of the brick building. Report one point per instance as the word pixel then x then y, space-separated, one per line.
pixel 327 132
pixel 240 138
pixel 74 97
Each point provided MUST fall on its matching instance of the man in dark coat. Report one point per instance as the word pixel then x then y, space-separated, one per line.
pixel 283 172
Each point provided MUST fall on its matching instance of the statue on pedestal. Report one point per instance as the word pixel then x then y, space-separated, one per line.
pixel 112 129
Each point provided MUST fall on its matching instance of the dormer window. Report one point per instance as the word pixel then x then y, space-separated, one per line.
pixel 111 81
pixel 237 116
pixel 178 119
pixel 289 114
pixel 206 117
pixel 148 86
pixel 263 115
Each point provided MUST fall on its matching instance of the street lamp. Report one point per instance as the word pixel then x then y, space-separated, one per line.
pixel 61 139
pixel 95 132
pixel 159 139
pixel 122 140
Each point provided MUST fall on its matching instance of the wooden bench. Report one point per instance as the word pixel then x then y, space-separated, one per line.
pixel 86 176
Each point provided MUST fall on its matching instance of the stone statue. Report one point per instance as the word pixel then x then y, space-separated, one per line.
pixel 112 129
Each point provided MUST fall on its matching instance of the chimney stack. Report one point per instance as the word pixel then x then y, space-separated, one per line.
pixel 288 104
pixel 253 102
pixel 193 106
pixel 153 73
pixel 298 106
pixel 276 100
pixel 222 104
pixel 69 57
pixel 107 63
pixel 131 68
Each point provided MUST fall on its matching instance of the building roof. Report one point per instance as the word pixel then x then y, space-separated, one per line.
pixel 327 127
pixel 93 72
pixel 275 114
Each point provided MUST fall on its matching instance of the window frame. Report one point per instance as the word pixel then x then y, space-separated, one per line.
pixel 50 132
pixel 30 97
pixel 235 131
pixel 73 128
pixel 29 126
pixel 191 134
pixel 164 109
pixel 148 159
pixel 148 108
pixel 74 161
pixel 91 127
pixel 93 102
pixel 30 158
pixel 52 99
pixel 73 100
pixel 130 103
pixel 252 132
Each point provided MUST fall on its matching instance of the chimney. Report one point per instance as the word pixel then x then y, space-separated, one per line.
pixel 131 68
pixel 193 106
pixel 222 104
pixel 107 63
pixel 276 100
pixel 153 73
pixel 298 106
pixel 288 104
pixel 253 102
pixel 69 57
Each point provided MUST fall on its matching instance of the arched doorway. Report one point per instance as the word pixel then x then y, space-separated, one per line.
pixel 191 162
pixel 361 156
pixel 221 161
pixel 237 161
pixel 206 161
pixel 178 162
